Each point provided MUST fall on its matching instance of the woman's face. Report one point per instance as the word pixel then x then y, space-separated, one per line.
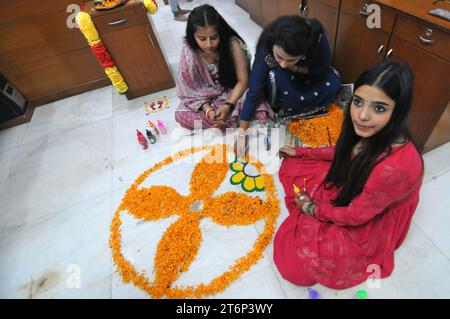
pixel 284 60
pixel 371 110
pixel 207 39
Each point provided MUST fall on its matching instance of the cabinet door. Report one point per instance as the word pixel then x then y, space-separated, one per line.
pixel 441 132
pixel 288 7
pixel 269 10
pixel 326 14
pixel 138 57
pixel 243 4
pixel 357 47
pixel 431 89
pixel 255 11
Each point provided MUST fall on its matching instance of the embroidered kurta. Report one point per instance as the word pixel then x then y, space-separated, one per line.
pixel 336 247
pixel 293 92
pixel 197 84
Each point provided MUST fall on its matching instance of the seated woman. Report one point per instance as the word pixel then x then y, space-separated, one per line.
pixel 292 70
pixel 213 72
pixel 358 198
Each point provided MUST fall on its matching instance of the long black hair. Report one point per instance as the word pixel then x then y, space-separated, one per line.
pixel 396 80
pixel 204 16
pixel 294 34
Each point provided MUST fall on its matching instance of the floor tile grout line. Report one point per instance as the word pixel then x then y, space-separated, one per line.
pixel 436 176
pixel 65 130
pixel 111 208
pixel 9 170
pixel 52 212
pixel 112 191
pixel 432 241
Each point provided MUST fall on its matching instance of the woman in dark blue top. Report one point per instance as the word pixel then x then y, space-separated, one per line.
pixel 292 70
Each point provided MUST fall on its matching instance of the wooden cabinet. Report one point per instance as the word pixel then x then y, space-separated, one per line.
pixel 128 35
pixel 269 12
pixel 42 56
pixel 431 65
pixel 265 11
pixel 327 13
pixel 289 7
pixel 243 4
pixel 357 46
pixel 441 132
pixel 425 48
pixel 254 8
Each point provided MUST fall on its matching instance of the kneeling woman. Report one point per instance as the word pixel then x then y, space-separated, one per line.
pixel 359 197
pixel 213 71
pixel 292 72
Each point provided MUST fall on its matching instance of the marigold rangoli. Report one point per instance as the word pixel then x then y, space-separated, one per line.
pixel 319 131
pixel 179 245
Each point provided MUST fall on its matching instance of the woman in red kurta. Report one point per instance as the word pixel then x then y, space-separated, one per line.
pixel 360 196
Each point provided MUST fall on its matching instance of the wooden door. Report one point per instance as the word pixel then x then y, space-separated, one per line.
pixel 431 89
pixel 357 47
pixel 138 57
pixel 326 14
pixel 243 4
pixel 255 11
pixel 269 10
pixel 289 7
pixel 441 132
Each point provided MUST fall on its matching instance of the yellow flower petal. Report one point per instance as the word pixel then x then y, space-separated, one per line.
pixel 259 181
pixel 237 167
pixel 249 184
pixel 237 178
pixel 180 244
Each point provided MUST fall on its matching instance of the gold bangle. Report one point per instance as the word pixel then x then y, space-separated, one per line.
pixel 210 109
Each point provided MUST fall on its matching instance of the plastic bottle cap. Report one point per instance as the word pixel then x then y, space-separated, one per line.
pixel 313 294
pixel 361 294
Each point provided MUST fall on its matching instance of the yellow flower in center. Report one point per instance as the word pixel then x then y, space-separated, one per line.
pixel 248 176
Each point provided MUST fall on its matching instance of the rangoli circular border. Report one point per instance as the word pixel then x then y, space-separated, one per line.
pixel 168 264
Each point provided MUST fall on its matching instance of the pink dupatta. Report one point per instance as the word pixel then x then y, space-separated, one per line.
pixel 195 87
pixel 194 83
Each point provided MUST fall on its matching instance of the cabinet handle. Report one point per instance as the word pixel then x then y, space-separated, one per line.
pixel 380 49
pixel 303 7
pixel 151 40
pixel 117 22
pixel 425 40
pixel 388 55
pixel 306 11
pixel 363 11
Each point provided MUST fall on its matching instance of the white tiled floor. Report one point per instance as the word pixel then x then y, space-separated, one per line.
pixel 63 175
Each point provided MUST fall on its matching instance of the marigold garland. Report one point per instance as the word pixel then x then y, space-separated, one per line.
pixel 151 6
pixel 319 131
pixel 180 243
pixel 89 31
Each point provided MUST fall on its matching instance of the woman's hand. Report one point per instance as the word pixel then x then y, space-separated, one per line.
pixel 287 151
pixel 300 199
pixel 209 111
pixel 222 115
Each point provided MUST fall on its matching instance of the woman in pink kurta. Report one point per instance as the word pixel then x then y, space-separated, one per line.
pixel 357 199
pixel 213 73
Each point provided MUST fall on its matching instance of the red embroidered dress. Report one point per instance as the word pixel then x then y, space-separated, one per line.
pixel 336 247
